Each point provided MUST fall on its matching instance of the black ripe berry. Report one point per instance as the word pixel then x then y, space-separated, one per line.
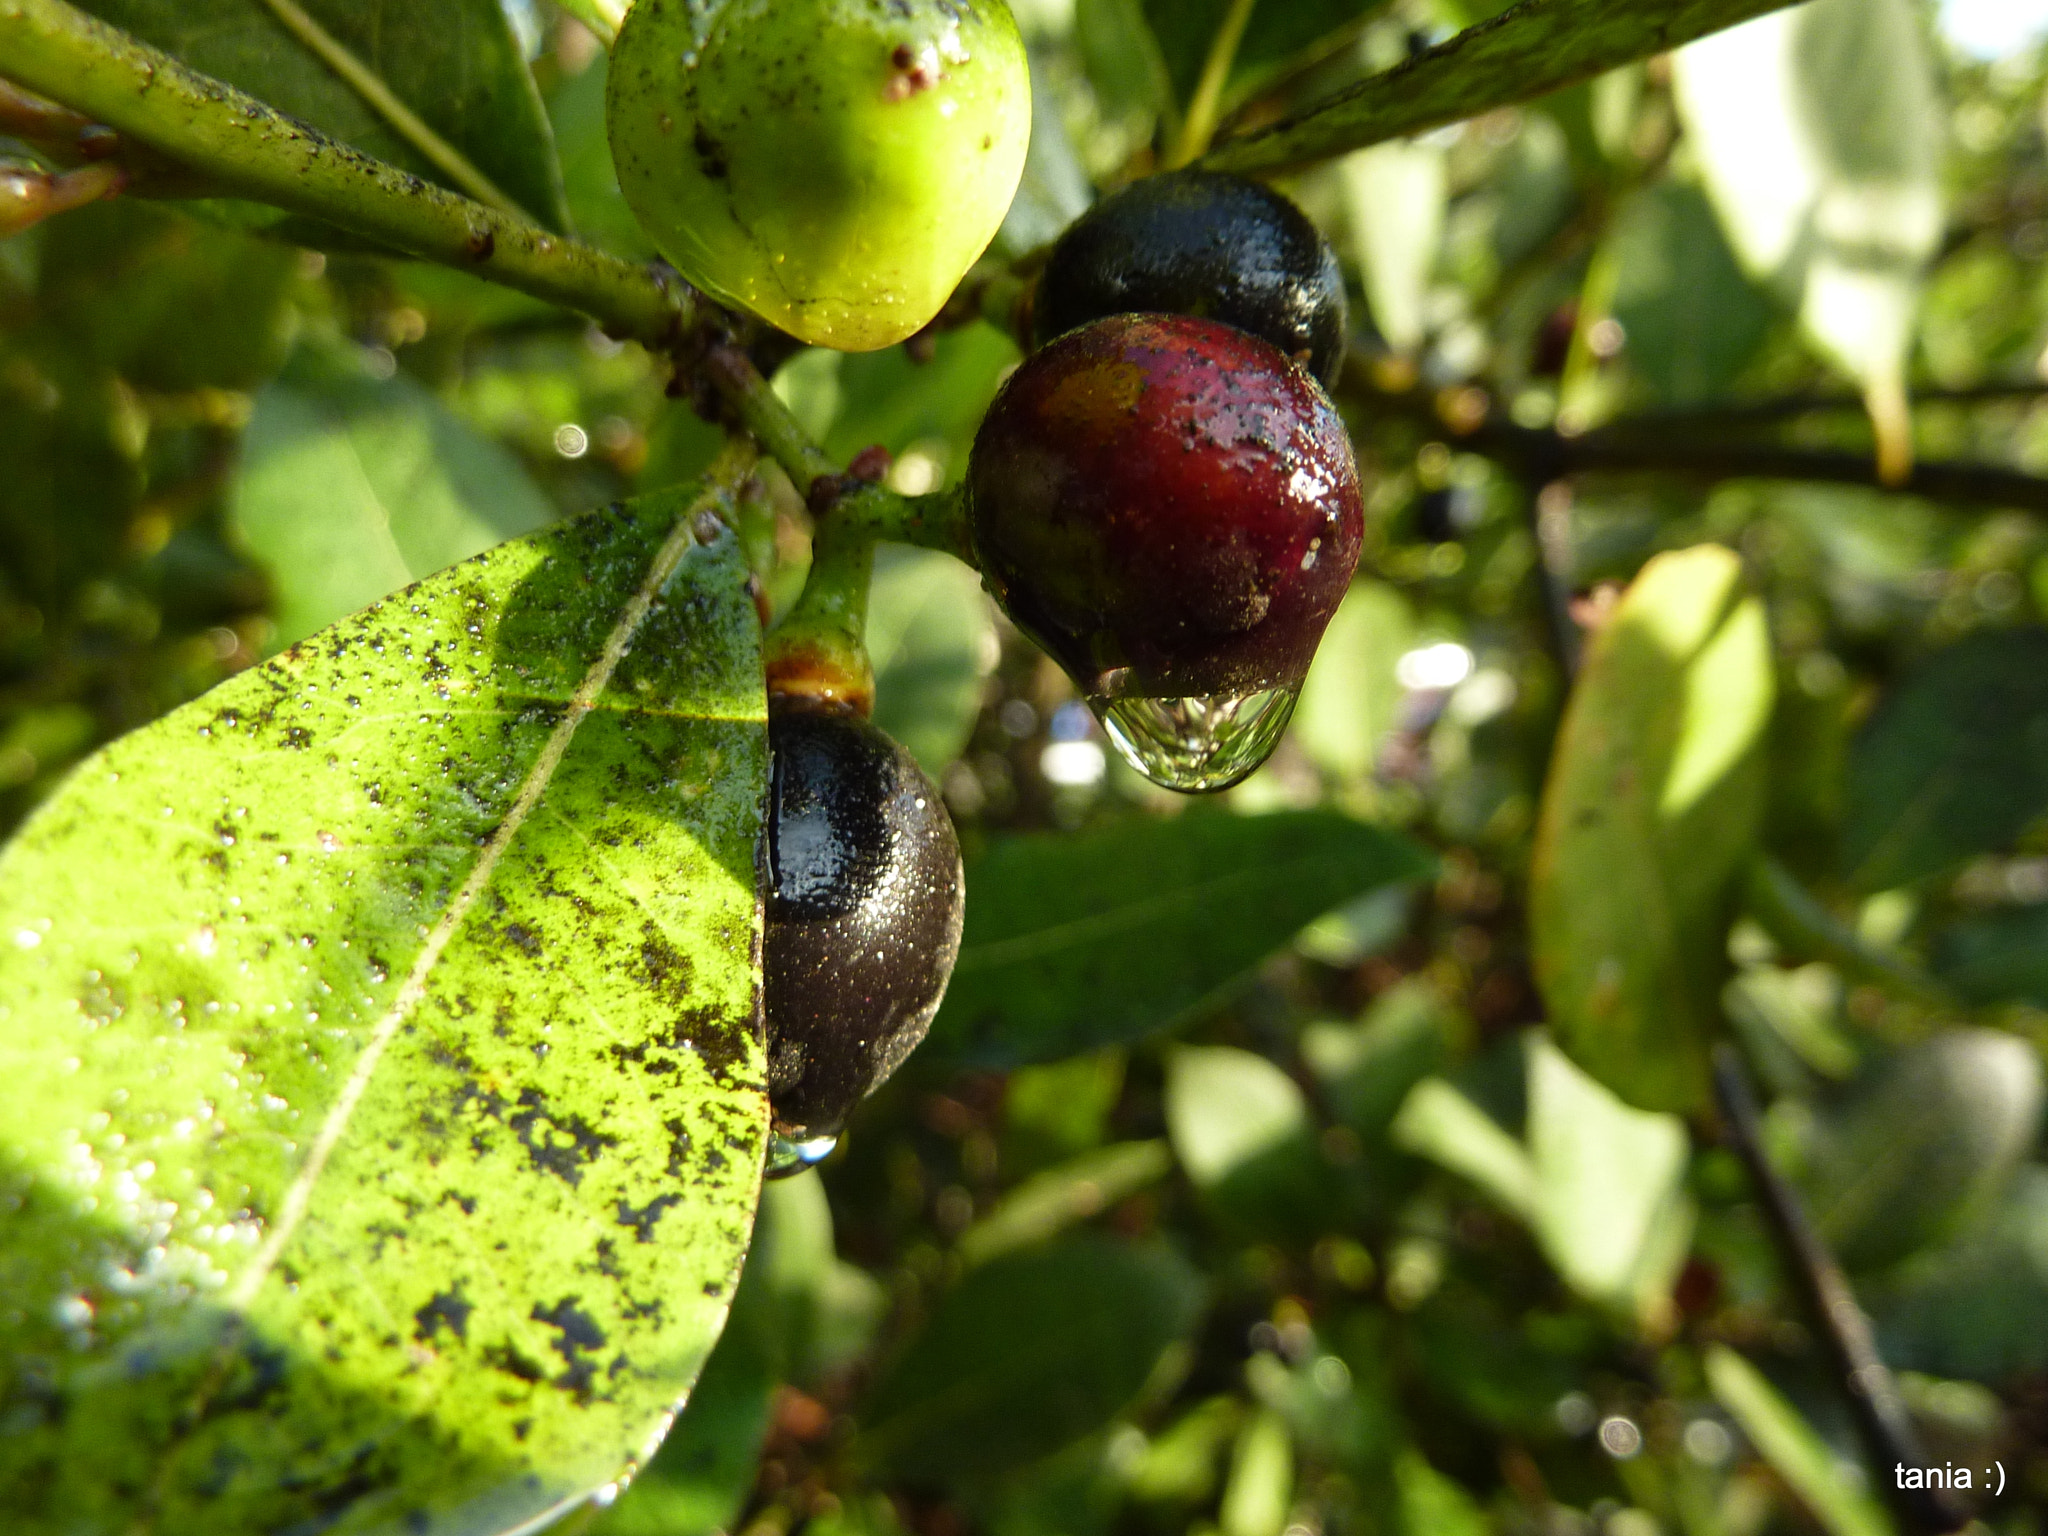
pixel 1205 244
pixel 864 902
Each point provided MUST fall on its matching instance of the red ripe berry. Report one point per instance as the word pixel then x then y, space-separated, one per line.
pixel 1170 507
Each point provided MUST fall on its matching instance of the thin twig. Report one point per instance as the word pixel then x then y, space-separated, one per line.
pixel 1880 1413
pixel 1474 421
pixel 406 123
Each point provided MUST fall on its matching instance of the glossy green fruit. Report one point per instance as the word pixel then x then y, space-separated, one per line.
pixel 834 166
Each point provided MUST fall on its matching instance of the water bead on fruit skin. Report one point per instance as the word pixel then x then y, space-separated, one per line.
pixel 834 166
pixel 1201 243
pixel 1171 508
pixel 863 920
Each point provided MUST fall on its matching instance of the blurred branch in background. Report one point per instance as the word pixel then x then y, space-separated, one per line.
pixel 1873 1394
pixel 1475 421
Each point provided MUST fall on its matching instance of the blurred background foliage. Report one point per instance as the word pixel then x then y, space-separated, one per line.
pixel 1240 1189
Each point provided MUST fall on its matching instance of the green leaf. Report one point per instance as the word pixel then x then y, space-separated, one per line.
pixel 1026 1355
pixel 1395 200
pixel 1438 1122
pixel 931 407
pixel 1652 805
pixel 1366 1069
pixel 788 1303
pixel 1240 1127
pixel 931 636
pixel 1788 1443
pixel 1953 763
pixel 1692 319
pixel 1432 1504
pixel 1611 1212
pixel 352 487
pixel 1261 1486
pixel 1076 942
pixel 165 301
pixel 381 1105
pixel 1537 47
pixel 1975 1313
pixel 1927 1147
pixel 1818 132
pixel 1352 699
pixel 455 63
pixel 1048 1203
pixel 597 207
pixel 1999 957
pixel 1276 33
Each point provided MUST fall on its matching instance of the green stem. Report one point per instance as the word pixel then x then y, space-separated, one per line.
pixel 405 122
pixel 937 521
pixel 248 149
pixel 1795 917
pixel 761 411
pixel 1205 105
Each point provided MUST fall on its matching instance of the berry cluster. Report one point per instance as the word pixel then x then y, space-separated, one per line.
pixel 1163 495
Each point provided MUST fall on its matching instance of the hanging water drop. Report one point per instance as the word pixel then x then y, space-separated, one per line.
pixel 786 1157
pixel 1197 744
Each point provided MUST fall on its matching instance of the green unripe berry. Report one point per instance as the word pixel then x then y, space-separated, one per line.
pixel 834 166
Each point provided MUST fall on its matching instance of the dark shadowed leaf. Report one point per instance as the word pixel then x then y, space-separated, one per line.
pixel 1927 1146
pixel 1028 1354
pixel 1691 317
pixel 1997 958
pixel 1976 1312
pixel 1653 801
pixel 1077 942
pixel 1953 764
pixel 381 1107
pixel 353 486
pixel 455 63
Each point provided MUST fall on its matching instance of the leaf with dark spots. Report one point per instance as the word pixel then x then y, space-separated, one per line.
pixel 448 1309
pixel 368 1078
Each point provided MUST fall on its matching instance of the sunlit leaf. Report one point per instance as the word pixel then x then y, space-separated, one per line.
pixel 1610 1208
pixel 353 487
pixel 1261 1485
pixel 1818 132
pixel 1395 198
pixel 383 1113
pixel 1438 1122
pixel 1351 699
pixel 1082 941
pixel 1792 1448
pixel 1050 1202
pixel 1240 1128
pixel 1653 800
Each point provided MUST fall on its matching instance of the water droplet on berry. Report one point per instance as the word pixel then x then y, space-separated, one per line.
pixel 1197 743
pixel 786 1157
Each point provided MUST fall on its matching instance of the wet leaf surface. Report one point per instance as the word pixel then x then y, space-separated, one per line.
pixel 381 1112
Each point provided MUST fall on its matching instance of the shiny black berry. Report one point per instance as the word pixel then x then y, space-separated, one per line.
pixel 1206 244
pixel 863 915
